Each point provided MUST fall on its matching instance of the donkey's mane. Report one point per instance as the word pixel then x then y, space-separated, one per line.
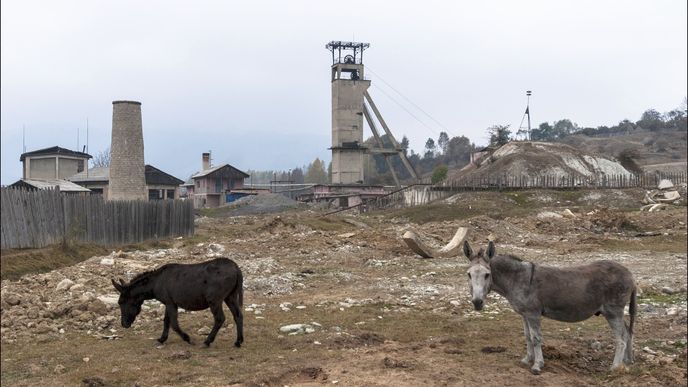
pixel 513 257
pixel 145 275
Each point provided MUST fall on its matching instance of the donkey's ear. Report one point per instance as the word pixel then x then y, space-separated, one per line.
pixel 490 250
pixel 118 286
pixel 467 251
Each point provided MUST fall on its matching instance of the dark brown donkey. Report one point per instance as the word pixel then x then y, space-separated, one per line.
pixel 568 294
pixel 192 287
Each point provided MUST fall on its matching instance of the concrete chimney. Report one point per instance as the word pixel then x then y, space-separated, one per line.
pixel 206 161
pixel 127 168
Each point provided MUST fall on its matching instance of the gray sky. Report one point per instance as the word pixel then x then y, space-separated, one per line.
pixel 250 80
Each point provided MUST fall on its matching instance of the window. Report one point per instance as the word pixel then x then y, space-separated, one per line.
pixel 170 194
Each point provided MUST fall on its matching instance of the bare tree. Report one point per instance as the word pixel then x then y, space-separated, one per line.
pixel 102 159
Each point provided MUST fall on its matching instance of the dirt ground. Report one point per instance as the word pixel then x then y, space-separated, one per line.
pixel 380 315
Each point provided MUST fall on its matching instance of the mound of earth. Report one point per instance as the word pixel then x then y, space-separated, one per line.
pixel 541 159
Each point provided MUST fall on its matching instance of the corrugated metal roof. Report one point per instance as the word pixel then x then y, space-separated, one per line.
pixel 64 185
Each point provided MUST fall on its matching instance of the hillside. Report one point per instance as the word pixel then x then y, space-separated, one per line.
pixel 526 158
pixel 648 147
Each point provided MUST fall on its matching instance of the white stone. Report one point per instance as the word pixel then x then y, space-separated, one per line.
pixel 665 183
pixel 65 284
pixel 107 261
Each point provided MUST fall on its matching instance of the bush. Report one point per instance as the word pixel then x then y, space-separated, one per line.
pixel 439 174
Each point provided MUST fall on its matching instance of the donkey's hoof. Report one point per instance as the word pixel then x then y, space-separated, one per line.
pixel 620 368
pixel 535 371
pixel 206 344
pixel 237 344
pixel 526 361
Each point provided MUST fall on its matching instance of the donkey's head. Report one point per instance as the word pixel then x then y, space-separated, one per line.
pixel 129 306
pixel 479 273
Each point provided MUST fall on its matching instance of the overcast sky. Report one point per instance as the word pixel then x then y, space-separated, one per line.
pixel 250 80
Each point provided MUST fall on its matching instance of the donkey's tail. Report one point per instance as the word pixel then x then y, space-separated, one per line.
pixel 632 310
pixel 239 290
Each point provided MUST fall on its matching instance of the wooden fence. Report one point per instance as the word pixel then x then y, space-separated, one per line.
pixel 422 194
pixel 40 218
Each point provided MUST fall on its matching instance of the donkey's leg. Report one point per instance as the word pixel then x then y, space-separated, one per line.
pixel 529 344
pixel 175 324
pixel 536 340
pixel 165 326
pixel 616 323
pixel 219 316
pixel 234 307
pixel 628 355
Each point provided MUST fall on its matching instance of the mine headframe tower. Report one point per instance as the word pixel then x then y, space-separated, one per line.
pixel 349 97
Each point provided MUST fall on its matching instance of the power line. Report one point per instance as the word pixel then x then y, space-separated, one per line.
pixel 408 100
pixel 405 109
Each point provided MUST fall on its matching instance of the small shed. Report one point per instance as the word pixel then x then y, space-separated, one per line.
pixel 63 186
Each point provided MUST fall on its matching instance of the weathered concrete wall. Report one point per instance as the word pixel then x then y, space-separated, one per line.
pixel 43 168
pixel 347 166
pixel 347 127
pixel 67 167
pixel 127 167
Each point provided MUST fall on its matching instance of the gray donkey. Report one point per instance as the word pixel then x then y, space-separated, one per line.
pixel 566 294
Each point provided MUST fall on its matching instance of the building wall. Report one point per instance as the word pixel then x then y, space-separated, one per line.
pixel 127 168
pixel 67 167
pixel 165 189
pixel 42 168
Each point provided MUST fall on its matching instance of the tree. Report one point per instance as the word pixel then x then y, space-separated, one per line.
pixel 499 134
pixel 316 173
pixel 458 150
pixel 544 132
pixel 563 128
pixel 430 148
pixel 651 120
pixel 404 144
pixel 102 159
pixel 439 174
pixel 443 142
pixel 297 175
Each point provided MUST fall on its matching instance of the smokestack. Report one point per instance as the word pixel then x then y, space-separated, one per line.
pixel 127 168
pixel 206 161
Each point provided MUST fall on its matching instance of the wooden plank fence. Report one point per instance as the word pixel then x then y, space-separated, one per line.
pixel 422 194
pixel 32 219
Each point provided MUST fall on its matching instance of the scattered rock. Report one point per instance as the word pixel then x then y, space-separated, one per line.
pixel 107 261
pixel 65 284
pixel 670 291
pixel 204 331
pixel 596 345
pixel 295 329
pixel 665 184
pixel 648 350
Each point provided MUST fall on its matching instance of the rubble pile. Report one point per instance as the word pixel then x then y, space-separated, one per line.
pixel 657 199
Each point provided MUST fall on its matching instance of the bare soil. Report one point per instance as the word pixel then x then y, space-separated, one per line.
pixel 382 316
